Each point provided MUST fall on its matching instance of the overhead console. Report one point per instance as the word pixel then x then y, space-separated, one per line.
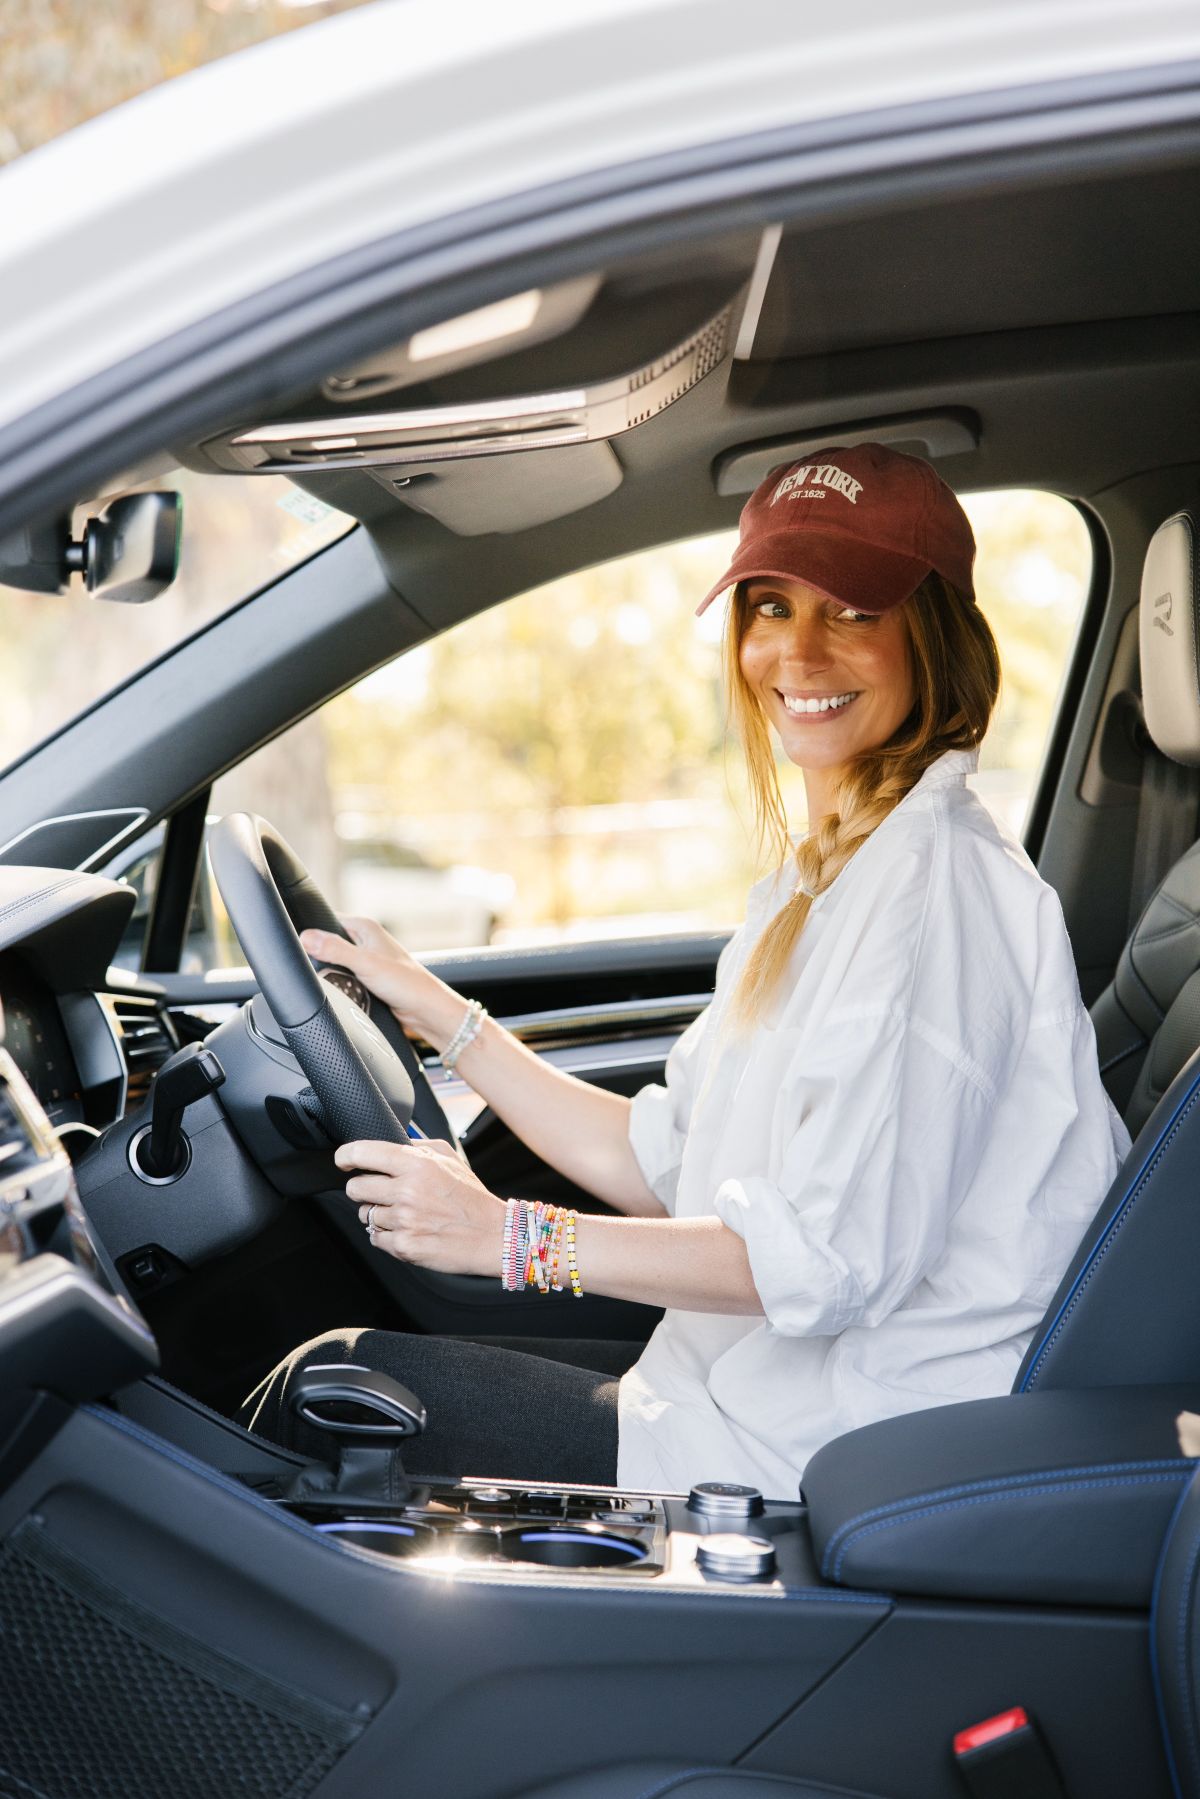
pixel 568 368
pixel 399 438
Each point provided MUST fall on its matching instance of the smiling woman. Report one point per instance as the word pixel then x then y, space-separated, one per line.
pixel 842 1193
pixel 789 635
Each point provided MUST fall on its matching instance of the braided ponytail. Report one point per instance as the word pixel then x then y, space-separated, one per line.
pixel 956 668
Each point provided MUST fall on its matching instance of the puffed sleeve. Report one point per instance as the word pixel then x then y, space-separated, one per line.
pixel 888 1128
pixel 659 1115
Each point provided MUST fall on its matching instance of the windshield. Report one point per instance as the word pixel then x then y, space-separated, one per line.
pixel 61 652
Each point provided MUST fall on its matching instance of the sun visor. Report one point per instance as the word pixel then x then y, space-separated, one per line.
pixel 508 493
pixel 1169 640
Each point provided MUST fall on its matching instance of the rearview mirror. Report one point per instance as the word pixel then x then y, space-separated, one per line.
pixel 129 553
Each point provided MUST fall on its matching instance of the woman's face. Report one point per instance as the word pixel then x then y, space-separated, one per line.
pixel 834 683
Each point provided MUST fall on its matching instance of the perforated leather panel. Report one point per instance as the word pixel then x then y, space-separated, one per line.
pixel 1153 996
pixel 352 1104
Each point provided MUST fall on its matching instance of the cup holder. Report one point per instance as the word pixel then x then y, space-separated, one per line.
pixel 561 1546
pixel 444 1540
pixel 385 1536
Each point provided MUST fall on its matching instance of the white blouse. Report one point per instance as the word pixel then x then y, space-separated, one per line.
pixel 911 1144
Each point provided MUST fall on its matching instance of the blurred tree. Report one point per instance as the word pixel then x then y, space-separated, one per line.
pixel 588 692
pixel 66 61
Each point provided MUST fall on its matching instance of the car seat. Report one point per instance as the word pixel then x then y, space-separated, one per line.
pixel 1126 1312
pixel 1148 1018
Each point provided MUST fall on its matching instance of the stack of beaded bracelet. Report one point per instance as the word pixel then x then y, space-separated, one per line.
pixel 465 1035
pixel 532 1247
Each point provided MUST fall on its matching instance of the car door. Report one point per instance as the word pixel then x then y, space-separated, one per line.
pixel 611 834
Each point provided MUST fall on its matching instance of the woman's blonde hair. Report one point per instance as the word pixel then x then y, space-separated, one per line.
pixel 956 672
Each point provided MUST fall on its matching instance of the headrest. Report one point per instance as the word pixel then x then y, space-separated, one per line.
pixel 1169 636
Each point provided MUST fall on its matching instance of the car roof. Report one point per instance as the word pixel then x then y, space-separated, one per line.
pixel 1006 278
pixel 226 181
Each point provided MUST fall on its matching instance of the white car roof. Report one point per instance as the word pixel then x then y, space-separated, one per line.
pixel 226 181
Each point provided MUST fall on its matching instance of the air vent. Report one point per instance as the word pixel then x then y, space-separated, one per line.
pixel 147 1038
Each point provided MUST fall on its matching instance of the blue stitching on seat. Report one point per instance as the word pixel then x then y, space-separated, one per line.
pixel 1080 1486
pixel 1155 1670
pixel 1181 1649
pixel 1011 1483
pixel 1109 1235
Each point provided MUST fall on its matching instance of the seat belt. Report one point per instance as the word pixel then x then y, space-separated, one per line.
pixel 1166 824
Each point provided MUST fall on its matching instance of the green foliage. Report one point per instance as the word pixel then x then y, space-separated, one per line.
pixel 575 736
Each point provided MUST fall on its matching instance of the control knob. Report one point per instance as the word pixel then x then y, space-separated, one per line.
pixel 725 1500
pixel 734 1557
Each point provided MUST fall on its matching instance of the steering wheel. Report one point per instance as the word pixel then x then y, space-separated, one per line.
pixel 365 1074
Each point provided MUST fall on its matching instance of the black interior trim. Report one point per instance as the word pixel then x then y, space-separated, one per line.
pixel 179 867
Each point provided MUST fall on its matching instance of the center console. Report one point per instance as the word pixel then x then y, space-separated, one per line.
pixel 720 1533
pixel 443 1527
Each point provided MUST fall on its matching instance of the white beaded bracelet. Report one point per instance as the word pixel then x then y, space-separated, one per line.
pixel 465 1035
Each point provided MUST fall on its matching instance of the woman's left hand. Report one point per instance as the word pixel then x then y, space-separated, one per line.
pixel 428 1206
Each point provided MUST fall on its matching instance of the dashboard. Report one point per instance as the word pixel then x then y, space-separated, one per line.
pixel 36 1038
pixel 86 1046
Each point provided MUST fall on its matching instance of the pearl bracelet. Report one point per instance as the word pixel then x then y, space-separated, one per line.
pixel 465 1035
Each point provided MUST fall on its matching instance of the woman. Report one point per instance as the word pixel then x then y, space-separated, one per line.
pixel 876 1150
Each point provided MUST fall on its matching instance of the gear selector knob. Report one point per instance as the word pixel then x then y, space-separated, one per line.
pixel 355 1404
pixel 368 1415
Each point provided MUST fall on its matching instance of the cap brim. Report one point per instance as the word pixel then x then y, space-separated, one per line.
pixel 862 575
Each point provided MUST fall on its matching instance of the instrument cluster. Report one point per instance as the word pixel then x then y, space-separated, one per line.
pixel 36 1038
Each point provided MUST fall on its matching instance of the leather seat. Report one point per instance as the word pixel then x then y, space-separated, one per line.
pixel 1175 1644
pixel 1148 1019
pixel 1126 1312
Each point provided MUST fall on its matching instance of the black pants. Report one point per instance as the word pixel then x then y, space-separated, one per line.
pixel 517 1408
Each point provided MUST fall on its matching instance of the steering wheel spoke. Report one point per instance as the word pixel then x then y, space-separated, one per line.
pixel 367 1077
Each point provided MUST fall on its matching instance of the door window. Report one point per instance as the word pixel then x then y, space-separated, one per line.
pixel 557 768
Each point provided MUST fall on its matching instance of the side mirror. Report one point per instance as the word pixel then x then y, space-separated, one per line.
pixel 129 553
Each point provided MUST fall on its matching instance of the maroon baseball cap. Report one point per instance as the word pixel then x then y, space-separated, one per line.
pixel 864 525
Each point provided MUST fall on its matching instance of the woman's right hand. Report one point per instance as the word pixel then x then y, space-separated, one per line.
pixel 420 1001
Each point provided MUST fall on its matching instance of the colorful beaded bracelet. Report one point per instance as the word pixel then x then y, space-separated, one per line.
pixel 532 1246
pixel 572 1264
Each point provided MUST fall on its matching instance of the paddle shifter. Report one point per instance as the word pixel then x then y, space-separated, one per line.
pixel 369 1415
